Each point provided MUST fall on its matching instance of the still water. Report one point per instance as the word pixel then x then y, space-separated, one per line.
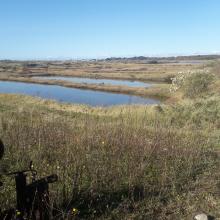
pixel 98 81
pixel 71 95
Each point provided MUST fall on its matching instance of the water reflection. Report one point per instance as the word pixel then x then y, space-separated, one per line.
pixel 71 95
pixel 98 81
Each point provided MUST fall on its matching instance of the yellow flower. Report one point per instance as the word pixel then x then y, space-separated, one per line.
pixel 18 212
pixel 75 211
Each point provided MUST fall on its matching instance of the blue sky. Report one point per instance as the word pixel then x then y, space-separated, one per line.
pixel 60 29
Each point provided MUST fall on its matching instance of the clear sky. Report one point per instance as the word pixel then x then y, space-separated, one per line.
pixel 51 29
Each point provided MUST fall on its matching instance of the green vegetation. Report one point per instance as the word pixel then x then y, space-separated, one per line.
pixel 193 84
pixel 197 84
pixel 126 162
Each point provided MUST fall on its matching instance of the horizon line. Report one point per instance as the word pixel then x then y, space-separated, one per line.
pixel 111 57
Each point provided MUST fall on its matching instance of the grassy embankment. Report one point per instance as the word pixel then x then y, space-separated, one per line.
pixel 128 162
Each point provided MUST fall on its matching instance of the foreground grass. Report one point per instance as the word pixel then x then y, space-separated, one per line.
pixel 126 162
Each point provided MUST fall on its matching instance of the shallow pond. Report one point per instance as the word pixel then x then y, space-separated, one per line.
pixel 71 95
pixel 98 81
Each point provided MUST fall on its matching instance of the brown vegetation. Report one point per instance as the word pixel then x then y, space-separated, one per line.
pixel 117 163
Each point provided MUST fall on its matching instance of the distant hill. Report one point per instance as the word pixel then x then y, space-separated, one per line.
pixel 141 59
pixel 155 60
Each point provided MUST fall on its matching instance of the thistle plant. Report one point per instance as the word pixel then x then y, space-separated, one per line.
pixel 178 80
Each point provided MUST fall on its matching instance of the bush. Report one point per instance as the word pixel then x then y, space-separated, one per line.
pixel 192 84
pixel 216 68
pixel 197 84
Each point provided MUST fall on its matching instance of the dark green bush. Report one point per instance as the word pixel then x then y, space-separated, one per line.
pixel 197 84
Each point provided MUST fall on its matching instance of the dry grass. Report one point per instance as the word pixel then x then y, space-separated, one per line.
pixel 111 70
pixel 116 163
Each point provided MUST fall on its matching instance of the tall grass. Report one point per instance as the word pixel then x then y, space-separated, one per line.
pixel 133 165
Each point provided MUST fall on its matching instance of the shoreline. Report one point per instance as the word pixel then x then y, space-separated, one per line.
pixel 151 92
pixel 93 76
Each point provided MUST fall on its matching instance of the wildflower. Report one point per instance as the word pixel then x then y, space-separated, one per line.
pixel 58 167
pixel 18 212
pixel 103 142
pixel 75 211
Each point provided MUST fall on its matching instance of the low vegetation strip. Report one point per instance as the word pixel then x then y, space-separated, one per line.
pixel 98 69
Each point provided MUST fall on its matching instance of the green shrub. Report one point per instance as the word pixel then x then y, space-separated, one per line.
pixel 197 84
pixel 192 84
pixel 216 68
